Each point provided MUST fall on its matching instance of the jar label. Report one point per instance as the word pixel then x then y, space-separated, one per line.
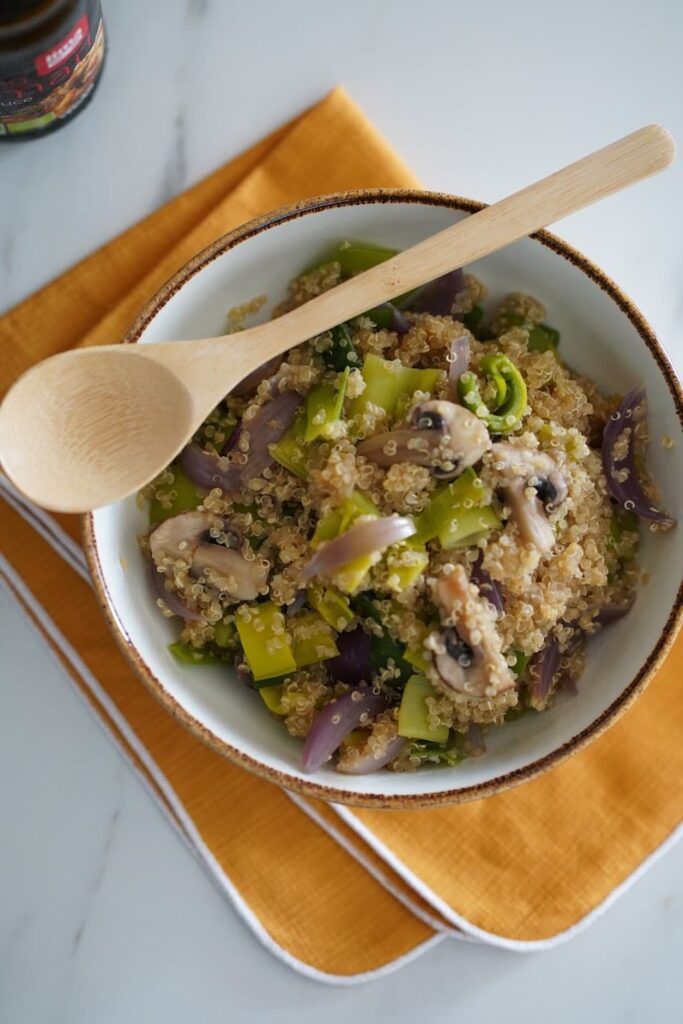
pixel 53 83
pixel 55 57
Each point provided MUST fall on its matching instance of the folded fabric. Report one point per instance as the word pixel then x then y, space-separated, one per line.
pixel 339 893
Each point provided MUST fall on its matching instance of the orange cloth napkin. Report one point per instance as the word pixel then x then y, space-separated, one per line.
pixel 338 893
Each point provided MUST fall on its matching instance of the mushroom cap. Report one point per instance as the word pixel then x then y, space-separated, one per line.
pixel 473 618
pixel 228 570
pixel 178 536
pixel 185 538
pixel 527 476
pixel 439 434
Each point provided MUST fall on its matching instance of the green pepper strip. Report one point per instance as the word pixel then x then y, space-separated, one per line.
pixel 348 577
pixel 413 714
pixel 354 257
pixel 291 451
pixel 265 642
pixel 473 320
pixel 506 416
pixel 189 655
pixel 333 606
pixel 342 352
pixel 467 525
pixel 385 646
pixel 323 408
pixel 187 497
pixel 312 639
pixel 542 337
pixel 445 503
pixel 386 382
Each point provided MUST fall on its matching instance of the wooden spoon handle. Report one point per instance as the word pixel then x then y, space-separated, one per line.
pixel 608 170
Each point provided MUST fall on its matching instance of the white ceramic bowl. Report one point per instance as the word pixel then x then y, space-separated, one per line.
pixel 603 336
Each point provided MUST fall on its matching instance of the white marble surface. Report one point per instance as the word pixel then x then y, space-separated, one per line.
pixel 104 915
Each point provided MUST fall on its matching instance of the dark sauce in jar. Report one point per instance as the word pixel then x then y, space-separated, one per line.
pixel 51 56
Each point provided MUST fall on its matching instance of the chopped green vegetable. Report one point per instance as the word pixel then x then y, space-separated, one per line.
pixel 264 640
pixel 623 541
pixel 272 698
pixel 542 337
pixel 413 714
pixel 468 525
pixel 426 753
pixel 466 492
pixel 456 513
pixel 333 606
pixel 339 519
pixel 622 521
pixel 192 656
pixel 405 564
pixel 341 354
pixel 510 388
pixel 186 497
pixel 329 527
pixel 311 639
pixel 519 711
pixel 323 408
pixel 521 662
pixel 473 320
pixel 357 505
pixel 291 451
pixel 415 657
pixel 383 646
pixel 382 316
pixel 356 738
pixel 224 634
pixel 354 257
pixel 348 577
pixel 386 381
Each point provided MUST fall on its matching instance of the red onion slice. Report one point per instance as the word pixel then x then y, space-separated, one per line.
pixel 542 669
pixel 487 586
pixel 367 763
pixel 438 297
pixel 629 493
pixel 334 722
pixel 297 604
pixel 352 664
pixel 475 741
pixel 203 470
pixel 566 681
pixel 399 321
pixel 459 361
pixel 268 425
pixel 172 600
pixel 612 613
pixel 402 445
pixel 362 539
pixel 253 379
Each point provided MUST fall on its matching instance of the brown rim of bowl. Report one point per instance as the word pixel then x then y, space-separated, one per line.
pixel 332 793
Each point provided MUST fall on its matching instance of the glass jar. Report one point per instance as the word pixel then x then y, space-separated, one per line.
pixel 51 55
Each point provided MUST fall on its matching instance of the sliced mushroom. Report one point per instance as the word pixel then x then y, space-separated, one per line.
pixel 468 654
pixel 442 435
pixel 533 486
pixel 227 570
pixel 178 536
pixel 186 538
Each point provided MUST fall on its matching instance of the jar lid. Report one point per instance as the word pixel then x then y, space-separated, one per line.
pixel 18 17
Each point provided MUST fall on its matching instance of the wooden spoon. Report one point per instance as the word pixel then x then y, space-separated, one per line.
pixel 85 428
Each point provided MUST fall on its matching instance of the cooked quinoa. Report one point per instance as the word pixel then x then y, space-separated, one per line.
pixel 406 531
